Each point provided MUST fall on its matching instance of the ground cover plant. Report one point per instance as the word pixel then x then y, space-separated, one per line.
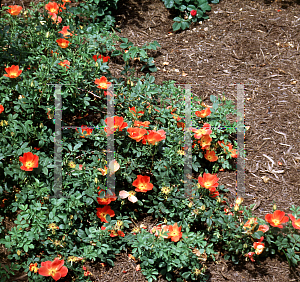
pixel 189 11
pixel 149 136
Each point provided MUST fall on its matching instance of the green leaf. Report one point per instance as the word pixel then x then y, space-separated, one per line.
pixel 89 201
pixel 205 7
pixel 45 170
pixel 169 3
pixel 184 25
pixel 124 45
pixel 191 7
pixel 177 19
pixel 81 233
pixel 110 262
pixel 169 276
pixel 182 8
pixel 77 146
pixel 31 246
pixel 227 257
pixel 63 217
pixel 176 26
pixel 186 275
pixel 25 248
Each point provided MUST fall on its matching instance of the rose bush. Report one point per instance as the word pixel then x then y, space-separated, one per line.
pixel 54 236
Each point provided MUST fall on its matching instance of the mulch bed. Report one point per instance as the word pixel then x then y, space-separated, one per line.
pixel 255 43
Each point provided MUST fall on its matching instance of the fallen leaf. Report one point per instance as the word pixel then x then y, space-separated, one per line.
pixel 165 63
pixel 201 257
pixel 184 74
pixel 265 179
pixel 204 105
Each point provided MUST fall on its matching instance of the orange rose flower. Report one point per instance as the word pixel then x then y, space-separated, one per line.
pixel 160 231
pixel 162 133
pixel 205 142
pixel 153 137
pixel 228 147
pixel 30 161
pixel 52 7
pixel 33 267
pixel 105 59
pixel 106 201
pixel 296 223
pixel 140 123
pixel 65 32
pixel 63 43
pixel 14 10
pixel 204 113
pixel 142 184
pixel 103 212
pixel 210 156
pixel 250 225
pixel 250 222
pixel 202 131
pixel 65 63
pixel 208 180
pixel 264 228
pixel 1 109
pixel 234 153
pixel 276 219
pixel 258 246
pixel 118 124
pixel 13 71
pixel 55 18
pixel 103 84
pixel 55 269
pixel 136 133
pixel 175 232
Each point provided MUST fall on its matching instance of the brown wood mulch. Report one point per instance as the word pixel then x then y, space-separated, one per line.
pixel 255 43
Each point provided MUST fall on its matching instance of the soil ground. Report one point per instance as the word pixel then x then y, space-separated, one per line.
pixel 255 43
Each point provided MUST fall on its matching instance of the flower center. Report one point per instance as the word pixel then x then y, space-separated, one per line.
pixel 29 164
pixel 276 221
pixel 173 233
pixel 52 272
pixel 103 85
pixel 142 187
